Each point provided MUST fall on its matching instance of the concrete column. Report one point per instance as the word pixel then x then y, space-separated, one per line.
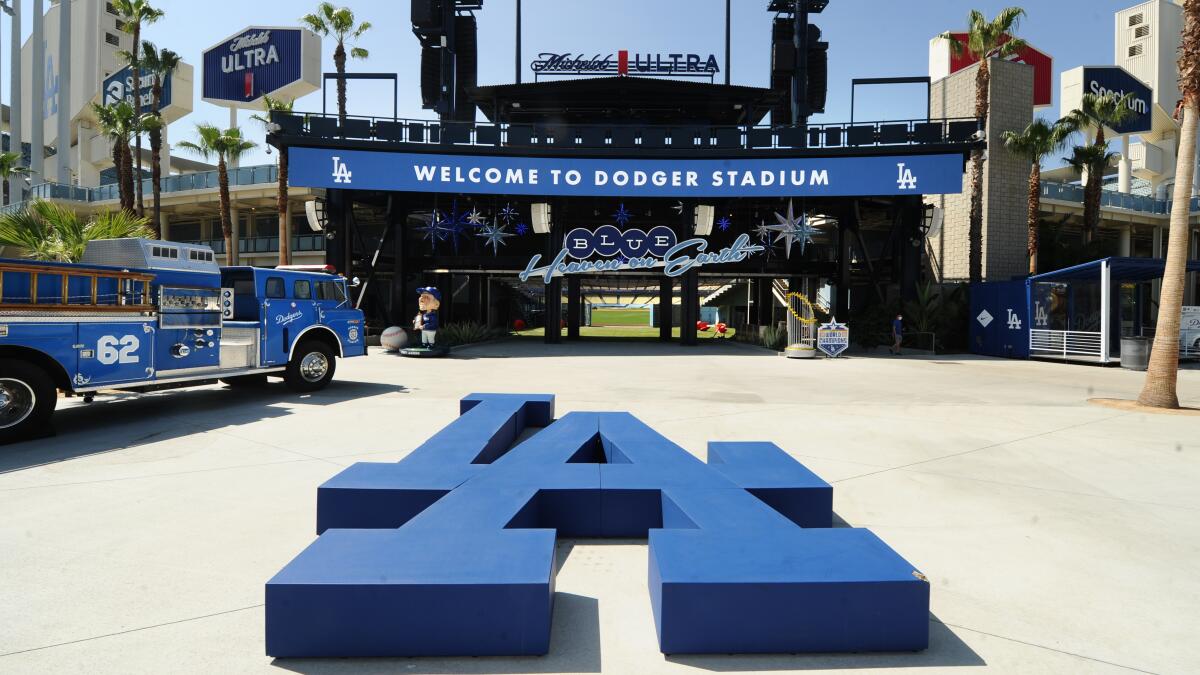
pixel 164 226
pixel 666 308
pixel 17 183
pixel 64 92
pixel 1125 247
pixel 37 106
pixel 1125 169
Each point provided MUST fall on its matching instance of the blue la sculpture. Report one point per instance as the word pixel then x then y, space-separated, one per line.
pixel 451 552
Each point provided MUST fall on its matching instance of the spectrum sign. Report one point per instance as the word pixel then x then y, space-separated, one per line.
pixel 621 64
pixel 258 61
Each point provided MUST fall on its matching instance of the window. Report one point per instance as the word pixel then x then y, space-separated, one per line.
pixel 165 252
pixel 302 290
pixel 330 290
pixel 112 39
pixel 200 256
pixel 1137 20
pixel 108 7
pixel 1135 50
pixel 1141 32
pixel 275 287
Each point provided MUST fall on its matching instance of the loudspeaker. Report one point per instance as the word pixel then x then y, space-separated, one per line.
pixel 431 76
pixel 818 70
pixel 427 14
pixel 540 218
pixel 466 66
pixel 704 219
pixel 315 212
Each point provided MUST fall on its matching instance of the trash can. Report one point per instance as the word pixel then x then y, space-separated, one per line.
pixel 1135 353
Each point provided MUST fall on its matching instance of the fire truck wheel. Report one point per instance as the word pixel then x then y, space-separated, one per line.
pixel 27 399
pixel 246 381
pixel 311 367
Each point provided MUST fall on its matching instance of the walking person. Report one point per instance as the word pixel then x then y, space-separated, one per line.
pixel 897 334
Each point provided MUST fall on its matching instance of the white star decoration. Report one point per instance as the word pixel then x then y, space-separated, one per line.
pixel 494 236
pixel 475 217
pixel 792 229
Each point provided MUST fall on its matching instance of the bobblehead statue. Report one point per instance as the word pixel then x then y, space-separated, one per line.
pixel 426 321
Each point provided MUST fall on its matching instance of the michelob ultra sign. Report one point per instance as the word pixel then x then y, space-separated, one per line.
pixel 262 60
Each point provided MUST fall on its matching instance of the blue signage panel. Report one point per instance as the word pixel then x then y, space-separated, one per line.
pixel 579 177
pixel 450 552
pixel 119 87
pixel 1117 81
pixel 256 62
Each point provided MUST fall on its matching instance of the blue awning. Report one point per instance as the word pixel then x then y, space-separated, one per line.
pixel 1122 270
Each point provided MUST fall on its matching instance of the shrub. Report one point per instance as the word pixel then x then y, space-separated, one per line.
pixel 468 332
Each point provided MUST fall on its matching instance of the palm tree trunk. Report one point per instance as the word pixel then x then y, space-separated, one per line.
pixel 226 221
pixel 1035 203
pixel 126 177
pixel 285 239
pixel 1159 390
pixel 339 60
pixel 975 231
pixel 119 164
pixel 136 67
pixel 156 158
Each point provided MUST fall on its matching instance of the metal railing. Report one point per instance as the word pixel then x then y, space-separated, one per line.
pixel 302 243
pixel 1069 192
pixel 1065 343
pixel 956 131
pixel 204 180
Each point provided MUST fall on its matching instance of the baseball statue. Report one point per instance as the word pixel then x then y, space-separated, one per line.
pixel 394 339
pixel 426 320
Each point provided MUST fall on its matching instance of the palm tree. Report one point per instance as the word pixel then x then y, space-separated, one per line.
pixel 272 105
pixel 162 63
pixel 1090 160
pixel 1094 114
pixel 10 165
pixel 1161 377
pixel 133 14
pixel 227 146
pixel 119 123
pixel 985 40
pixel 48 231
pixel 338 22
pixel 1038 139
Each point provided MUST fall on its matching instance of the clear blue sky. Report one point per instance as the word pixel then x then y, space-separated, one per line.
pixel 869 38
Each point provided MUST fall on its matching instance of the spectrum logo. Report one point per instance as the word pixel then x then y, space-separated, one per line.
pixel 624 63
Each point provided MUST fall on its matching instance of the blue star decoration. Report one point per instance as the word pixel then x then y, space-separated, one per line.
pixel 454 225
pixel 723 224
pixel 522 229
pixel 494 236
pixel 791 230
pixel 432 231
pixel 508 214
pixel 622 216
pixel 476 219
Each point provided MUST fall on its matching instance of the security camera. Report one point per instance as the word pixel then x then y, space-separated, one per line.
pixel 979 136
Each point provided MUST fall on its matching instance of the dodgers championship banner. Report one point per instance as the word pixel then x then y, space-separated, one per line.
pixel 578 177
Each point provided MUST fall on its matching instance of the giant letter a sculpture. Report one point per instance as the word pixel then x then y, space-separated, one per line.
pixel 452 550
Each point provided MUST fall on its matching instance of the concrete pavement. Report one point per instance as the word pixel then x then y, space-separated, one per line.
pixel 1058 536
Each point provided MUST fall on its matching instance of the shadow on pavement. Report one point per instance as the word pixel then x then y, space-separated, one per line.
pixel 107 424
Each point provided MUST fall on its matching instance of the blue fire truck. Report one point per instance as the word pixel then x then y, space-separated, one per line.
pixel 145 315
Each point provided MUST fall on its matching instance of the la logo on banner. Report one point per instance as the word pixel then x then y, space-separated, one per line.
pixel 341 173
pixel 906 180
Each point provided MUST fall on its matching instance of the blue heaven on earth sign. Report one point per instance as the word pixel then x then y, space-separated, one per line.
pixel 635 249
pixel 451 551
pixel 584 177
